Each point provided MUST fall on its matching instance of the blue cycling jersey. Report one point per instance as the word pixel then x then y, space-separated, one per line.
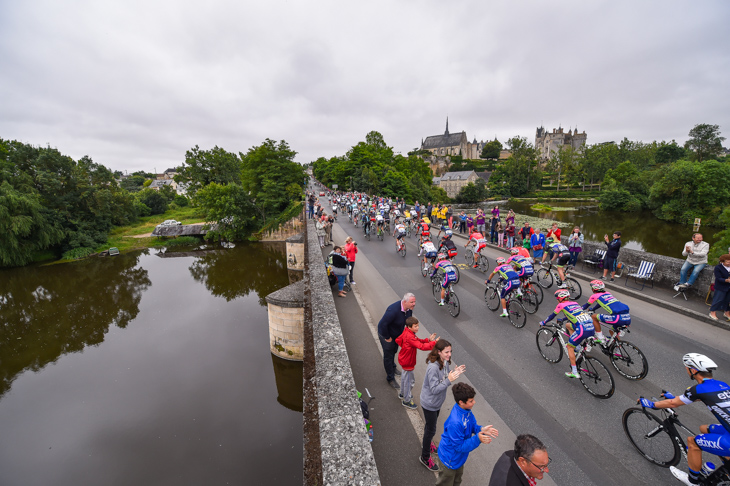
pixel 716 395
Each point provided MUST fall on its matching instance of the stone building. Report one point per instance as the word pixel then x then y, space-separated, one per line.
pixel 452 182
pixel 452 144
pixel 548 143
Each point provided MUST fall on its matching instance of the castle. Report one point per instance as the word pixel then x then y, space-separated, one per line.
pixel 549 143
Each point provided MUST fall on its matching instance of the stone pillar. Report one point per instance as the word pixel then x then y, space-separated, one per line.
pixel 295 252
pixel 286 321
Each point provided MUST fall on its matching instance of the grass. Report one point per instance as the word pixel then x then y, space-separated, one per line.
pixel 545 207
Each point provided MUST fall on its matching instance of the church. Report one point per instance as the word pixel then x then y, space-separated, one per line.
pixel 450 144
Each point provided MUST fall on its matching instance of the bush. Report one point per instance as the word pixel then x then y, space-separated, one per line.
pixel 183 241
pixel 77 253
pixel 181 201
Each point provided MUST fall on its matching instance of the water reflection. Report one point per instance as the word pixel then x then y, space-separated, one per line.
pixel 289 376
pixel 47 312
pixel 232 274
pixel 640 230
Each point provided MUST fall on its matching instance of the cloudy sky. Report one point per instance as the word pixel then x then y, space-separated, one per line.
pixel 134 84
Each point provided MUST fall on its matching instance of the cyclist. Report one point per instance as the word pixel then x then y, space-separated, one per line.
pixel 579 324
pixel 447 245
pixel 511 282
pixel 558 251
pixel 399 232
pixel 379 222
pixel 522 265
pixel 429 252
pixel 617 313
pixel 479 242
pixel 425 230
pixel 354 210
pixel 521 250
pixel 446 268
pixel 715 394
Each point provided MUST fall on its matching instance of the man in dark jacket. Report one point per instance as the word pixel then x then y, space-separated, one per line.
pixel 523 466
pixel 389 328
pixel 609 261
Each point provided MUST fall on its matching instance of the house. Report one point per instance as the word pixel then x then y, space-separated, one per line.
pixel 160 183
pixel 169 173
pixel 452 182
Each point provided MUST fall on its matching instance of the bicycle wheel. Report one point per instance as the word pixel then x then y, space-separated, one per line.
pixel 549 345
pixel 650 437
pixel 454 306
pixel 529 301
pixel 458 274
pixel 538 291
pixel 424 270
pixel 629 361
pixel 544 278
pixel 380 235
pixel 483 263
pixel 402 251
pixel 573 287
pixel 436 288
pixel 469 256
pixel 491 297
pixel 595 377
pixel 517 314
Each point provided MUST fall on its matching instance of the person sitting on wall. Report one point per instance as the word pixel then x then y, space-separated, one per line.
pixel 696 252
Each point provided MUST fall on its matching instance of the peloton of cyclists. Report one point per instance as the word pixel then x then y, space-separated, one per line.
pixel 617 313
pixel 579 324
pixel 447 271
pixel 522 265
pixel 509 279
pixel 715 394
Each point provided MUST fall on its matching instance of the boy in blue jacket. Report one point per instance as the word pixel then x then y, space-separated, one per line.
pixel 461 436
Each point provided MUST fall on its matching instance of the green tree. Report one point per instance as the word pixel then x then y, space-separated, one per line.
pixel 153 200
pixel 723 237
pixel 473 192
pixel 705 141
pixel 231 207
pixel 491 150
pixel 669 152
pixel 520 172
pixel 202 167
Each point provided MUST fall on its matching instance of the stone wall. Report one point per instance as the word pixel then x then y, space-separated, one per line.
pixel 284 231
pixel 666 271
pixel 295 252
pixel 346 456
pixel 286 321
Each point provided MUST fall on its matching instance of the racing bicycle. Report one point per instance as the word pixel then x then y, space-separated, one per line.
pixel 546 276
pixel 450 298
pixel 625 357
pixel 515 309
pixel 482 262
pixel 400 247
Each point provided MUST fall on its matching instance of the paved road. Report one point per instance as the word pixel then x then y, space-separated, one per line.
pixel 519 392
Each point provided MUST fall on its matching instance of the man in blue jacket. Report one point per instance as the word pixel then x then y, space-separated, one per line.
pixel 609 261
pixel 461 436
pixel 391 326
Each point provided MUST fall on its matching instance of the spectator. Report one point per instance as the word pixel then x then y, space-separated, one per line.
pixel 493 222
pixel 609 261
pixel 509 232
pixel 510 218
pixel 500 235
pixel 522 466
pixel 470 224
pixel 339 268
pixel 495 211
pixel 696 252
pixel 320 231
pixel 554 232
pixel 450 216
pixel 462 222
pixel 351 252
pixel 526 232
pixel 391 326
pixel 438 378
pixel 417 209
pixel 537 243
pixel 481 222
pixel 575 245
pixel 721 299
pixel 328 230
pixel 311 201
pixel 429 210
pixel 461 436
pixel 410 343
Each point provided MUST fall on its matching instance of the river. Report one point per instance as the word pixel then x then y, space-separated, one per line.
pixel 640 231
pixel 147 368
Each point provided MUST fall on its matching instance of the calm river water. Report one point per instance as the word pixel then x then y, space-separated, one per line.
pixel 147 368
pixel 640 231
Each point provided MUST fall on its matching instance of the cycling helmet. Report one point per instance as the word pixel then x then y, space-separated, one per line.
pixel 442 256
pixel 699 362
pixel 501 260
pixel 549 240
pixel 597 285
pixel 448 234
pixel 562 294
pixel 514 251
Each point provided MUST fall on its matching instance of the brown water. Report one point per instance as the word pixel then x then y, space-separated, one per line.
pixel 147 369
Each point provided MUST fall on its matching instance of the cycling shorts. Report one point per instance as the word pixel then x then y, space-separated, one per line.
pixel 615 320
pixel 480 245
pixel 581 332
pixel 508 287
pixel 431 254
pixel 400 234
pixel 380 222
pixel 526 272
pixel 453 253
pixel 449 277
pixel 562 260
pixel 716 442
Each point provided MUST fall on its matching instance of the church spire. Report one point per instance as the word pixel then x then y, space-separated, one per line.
pixel 447 126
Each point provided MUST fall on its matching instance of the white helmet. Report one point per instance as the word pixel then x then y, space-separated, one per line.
pixel 699 362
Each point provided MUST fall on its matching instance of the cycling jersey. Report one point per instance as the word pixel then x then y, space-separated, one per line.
pixel 558 249
pixel 476 236
pixel 506 272
pixel 572 311
pixel 429 248
pixel 425 229
pixel 607 302
pixel 400 230
pixel 379 219
pixel 715 394
pixel 449 245
pixel 447 268
pixel 524 267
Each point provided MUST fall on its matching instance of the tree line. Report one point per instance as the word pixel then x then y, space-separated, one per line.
pixel 50 202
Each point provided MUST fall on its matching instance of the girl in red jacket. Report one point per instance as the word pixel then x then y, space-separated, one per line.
pixel 409 344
